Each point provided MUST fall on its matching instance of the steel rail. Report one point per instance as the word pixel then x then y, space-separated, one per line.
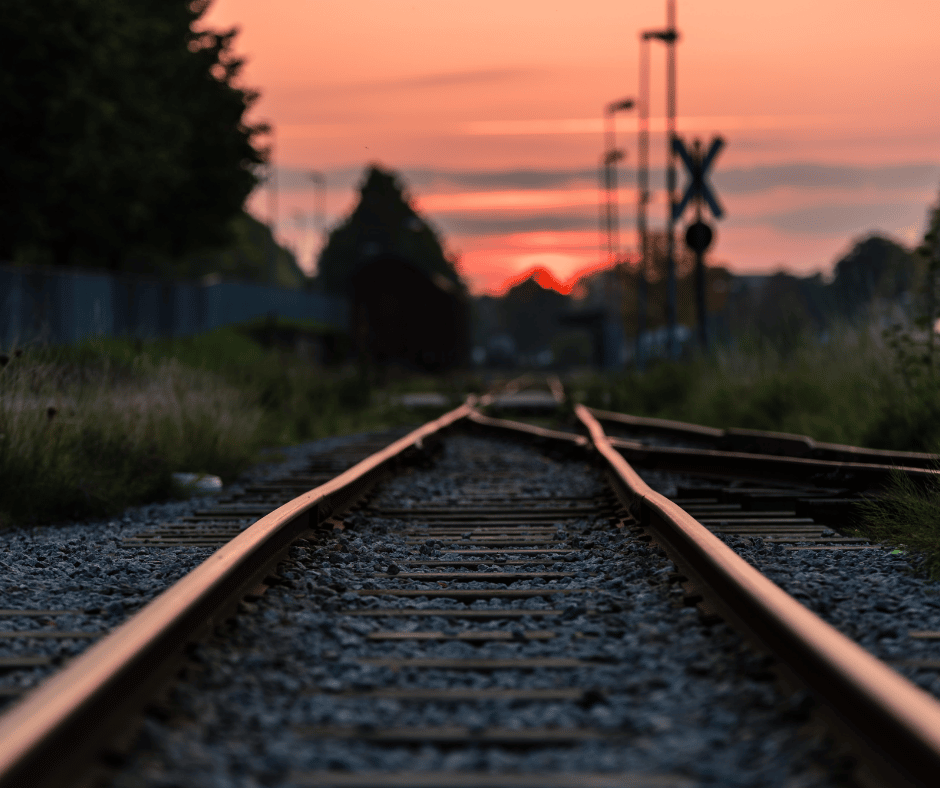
pixel 764 442
pixel 679 429
pixel 758 467
pixel 893 725
pixel 510 387
pixel 48 737
pixel 543 433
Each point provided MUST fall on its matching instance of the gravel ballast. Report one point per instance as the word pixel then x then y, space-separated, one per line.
pixel 667 695
pixel 875 597
pixel 287 689
pixel 84 568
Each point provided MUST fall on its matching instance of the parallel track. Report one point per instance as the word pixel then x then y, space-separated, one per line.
pixel 894 726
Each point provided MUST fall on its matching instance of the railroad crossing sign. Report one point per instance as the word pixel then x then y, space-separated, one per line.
pixel 698 164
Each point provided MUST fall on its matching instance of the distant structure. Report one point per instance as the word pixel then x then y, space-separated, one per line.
pixel 408 305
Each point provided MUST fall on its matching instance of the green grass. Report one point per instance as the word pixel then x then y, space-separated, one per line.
pixel 126 415
pixel 908 519
pixel 847 391
pixel 856 390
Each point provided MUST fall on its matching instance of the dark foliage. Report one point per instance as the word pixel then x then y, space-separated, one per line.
pixel 253 256
pixel 876 267
pixel 402 316
pixel 383 223
pixel 122 133
pixel 532 314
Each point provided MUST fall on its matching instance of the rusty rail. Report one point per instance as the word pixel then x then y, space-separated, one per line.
pixel 760 467
pixel 542 433
pixel 894 726
pixel 763 442
pixel 60 726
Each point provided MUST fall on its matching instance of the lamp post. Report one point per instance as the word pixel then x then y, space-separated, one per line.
pixel 643 191
pixel 669 36
pixel 608 167
pixel 611 157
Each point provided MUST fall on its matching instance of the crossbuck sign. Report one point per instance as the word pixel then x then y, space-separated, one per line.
pixel 698 164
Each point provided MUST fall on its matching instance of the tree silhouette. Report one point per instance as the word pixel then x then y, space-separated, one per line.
pixel 384 223
pixel 875 267
pixel 123 131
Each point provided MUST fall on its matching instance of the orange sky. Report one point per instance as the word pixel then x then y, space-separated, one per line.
pixel 491 112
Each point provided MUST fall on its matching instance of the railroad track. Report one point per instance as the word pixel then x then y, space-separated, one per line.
pixel 516 607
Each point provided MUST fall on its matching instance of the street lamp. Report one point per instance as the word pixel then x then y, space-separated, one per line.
pixel 669 36
pixel 611 157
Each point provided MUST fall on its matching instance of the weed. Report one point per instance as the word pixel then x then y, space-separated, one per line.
pixel 907 517
pixel 88 430
pixel 860 388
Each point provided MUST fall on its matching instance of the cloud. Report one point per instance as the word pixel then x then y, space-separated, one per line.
pixel 449 79
pixel 435 81
pixel 423 180
pixel 488 224
pixel 502 179
pixel 740 180
pixel 820 176
pixel 799 200
pixel 845 219
pixel 657 124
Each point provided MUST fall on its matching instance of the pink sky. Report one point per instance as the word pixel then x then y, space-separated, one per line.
pixel 491 113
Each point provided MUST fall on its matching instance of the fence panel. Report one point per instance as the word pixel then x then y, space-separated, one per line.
pixel 64 307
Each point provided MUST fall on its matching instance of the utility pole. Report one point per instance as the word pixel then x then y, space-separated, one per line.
pixel 611 157
pixel 671 172
pixel 643 193
pixel 612 330
pixel 669 36
pixel 701 297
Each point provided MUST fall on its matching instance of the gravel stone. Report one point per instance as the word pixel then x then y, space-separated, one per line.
pixel 85 567
pixel 686 698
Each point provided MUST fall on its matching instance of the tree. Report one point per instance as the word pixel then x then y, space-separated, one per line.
pixel 532 314
pixel 247 259
pixel 123 132
pixel 383 223
pixel 876 267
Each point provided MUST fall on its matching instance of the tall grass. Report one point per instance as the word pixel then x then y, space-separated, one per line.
pixel 860 388
pixel 89 439
pixel 848 390
pixel 88 430
pixel 906 517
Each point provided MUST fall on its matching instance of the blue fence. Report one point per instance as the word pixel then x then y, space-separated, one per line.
pixel 63 307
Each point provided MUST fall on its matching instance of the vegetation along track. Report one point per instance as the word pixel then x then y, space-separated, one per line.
pixel 497 615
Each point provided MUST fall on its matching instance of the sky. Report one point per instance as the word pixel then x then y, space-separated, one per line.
pixel 491 113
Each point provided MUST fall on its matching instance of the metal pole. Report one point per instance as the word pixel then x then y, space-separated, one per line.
pixel 272 211
pixel 643 195
pixel 608 187
pixel 602 203
pixel 700 298
pixel 614 209
pixel 608 151
pixel 671 174
pixel 697 153
pixel 611 158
